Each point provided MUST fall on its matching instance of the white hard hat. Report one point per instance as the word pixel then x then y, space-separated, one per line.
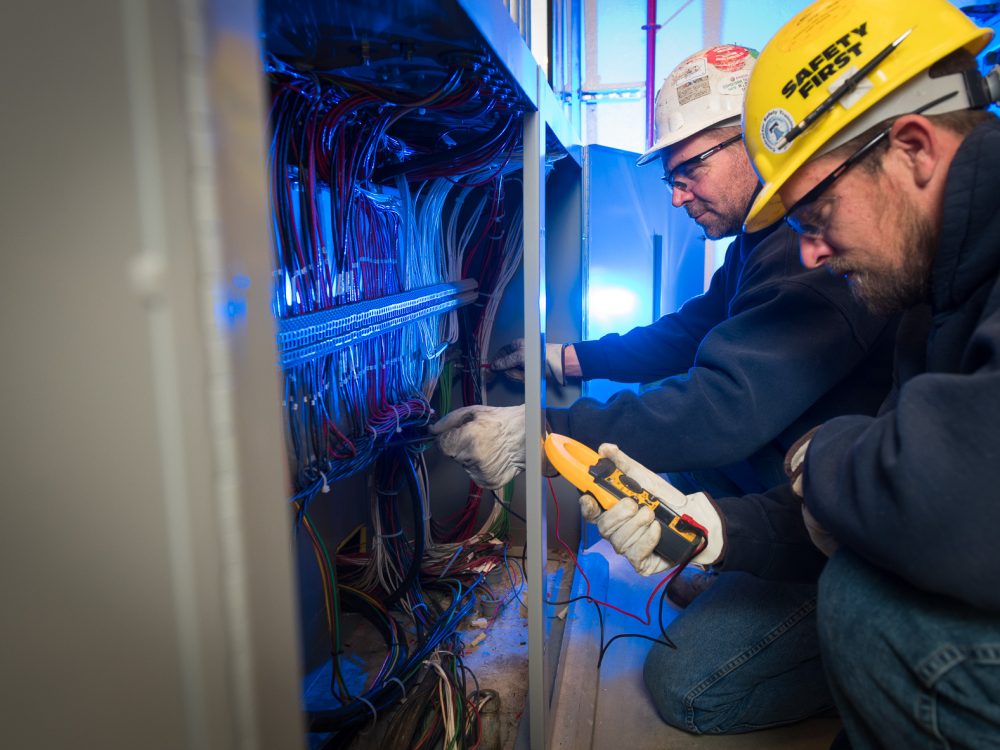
pixel 705 90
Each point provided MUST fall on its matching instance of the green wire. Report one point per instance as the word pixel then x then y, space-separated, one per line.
pixel 445 387
pixel 335 615
pixel 459 700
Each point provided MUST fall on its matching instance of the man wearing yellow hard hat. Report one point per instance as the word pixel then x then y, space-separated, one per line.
pixel 866 122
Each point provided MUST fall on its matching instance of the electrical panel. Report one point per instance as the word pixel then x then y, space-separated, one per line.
pixel 396 183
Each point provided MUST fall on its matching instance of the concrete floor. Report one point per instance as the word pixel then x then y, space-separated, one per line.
pixel 611 710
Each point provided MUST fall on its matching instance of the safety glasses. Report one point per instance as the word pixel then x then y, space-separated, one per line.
pixel 810 218
pixel 683 170
pixel 807 216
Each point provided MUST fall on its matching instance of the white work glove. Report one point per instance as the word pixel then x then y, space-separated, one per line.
pixel 510 361
pixel 487 440
pixel 795 461
pixel 634 531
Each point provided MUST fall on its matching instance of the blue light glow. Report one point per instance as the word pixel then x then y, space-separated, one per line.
pixel 611 303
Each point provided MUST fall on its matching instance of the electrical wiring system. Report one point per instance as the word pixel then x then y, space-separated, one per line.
pixel 382 227
pixel 342 238
pixel 433 603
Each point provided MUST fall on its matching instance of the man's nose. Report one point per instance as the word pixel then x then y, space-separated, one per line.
pixel 679 196
pixel 814 251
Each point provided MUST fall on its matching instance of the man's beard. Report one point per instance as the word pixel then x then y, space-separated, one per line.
pixel 718 224
pixel 887 289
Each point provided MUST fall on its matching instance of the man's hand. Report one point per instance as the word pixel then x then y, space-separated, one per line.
pixel 634 532
pixel 510 361
pixel 487 440
pixel 795 464
pixel 795 461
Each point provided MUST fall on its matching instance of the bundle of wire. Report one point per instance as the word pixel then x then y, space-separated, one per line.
pixel 430 586
pixel 360 212
pixel 340 237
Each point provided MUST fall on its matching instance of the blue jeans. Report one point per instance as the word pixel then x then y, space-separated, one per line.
pixel 747 658
pixel 908 669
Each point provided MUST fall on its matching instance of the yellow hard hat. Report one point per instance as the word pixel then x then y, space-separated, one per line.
pixel 797 101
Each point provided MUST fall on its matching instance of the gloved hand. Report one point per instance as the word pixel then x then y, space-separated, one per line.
pixel 795 461
pixel 487 440
pixel 634 531
pixel 510 361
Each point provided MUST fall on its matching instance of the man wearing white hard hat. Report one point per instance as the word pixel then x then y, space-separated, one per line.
pixel 888 166
pixel 767 352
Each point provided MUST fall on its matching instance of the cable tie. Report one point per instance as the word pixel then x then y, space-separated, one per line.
pixel 374 713
pixel 387 536
pixel 402 687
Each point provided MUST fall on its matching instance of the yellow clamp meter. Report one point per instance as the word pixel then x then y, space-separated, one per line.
pixel 681 538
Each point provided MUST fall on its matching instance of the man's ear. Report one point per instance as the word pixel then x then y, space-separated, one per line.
pixel 917 143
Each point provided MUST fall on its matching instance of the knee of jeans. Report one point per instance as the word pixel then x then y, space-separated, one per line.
pixel 667 686
pixel 682 704
pixel 845 617
pixel 675 689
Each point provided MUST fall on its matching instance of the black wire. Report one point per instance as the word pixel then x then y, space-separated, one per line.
pixel 507 508
pixel 665 639
pixel 663 595
pixel 471 674
pixel 606 646
pixel 352 717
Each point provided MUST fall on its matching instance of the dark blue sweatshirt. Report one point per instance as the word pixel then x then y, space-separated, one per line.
pixel 768 352
pixel 917 490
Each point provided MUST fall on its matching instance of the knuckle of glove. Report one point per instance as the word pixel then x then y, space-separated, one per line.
pixel 611 519
pixel 511 355
pixel 469 442
pixel 589 508
pixel 632 532
pixel 456 419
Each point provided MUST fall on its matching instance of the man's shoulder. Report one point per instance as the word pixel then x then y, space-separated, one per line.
pixel 772 255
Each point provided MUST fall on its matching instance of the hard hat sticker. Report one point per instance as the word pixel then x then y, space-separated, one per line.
pixel 692 90
pixel 775 124
pixel 838 53
pixel 688 70
pixel 734 85
pixel 728 57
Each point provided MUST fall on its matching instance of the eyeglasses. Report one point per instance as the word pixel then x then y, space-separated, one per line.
pixel 683 170
pixel 814 223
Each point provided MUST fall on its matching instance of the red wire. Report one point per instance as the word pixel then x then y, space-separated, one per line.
pixel 652 596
